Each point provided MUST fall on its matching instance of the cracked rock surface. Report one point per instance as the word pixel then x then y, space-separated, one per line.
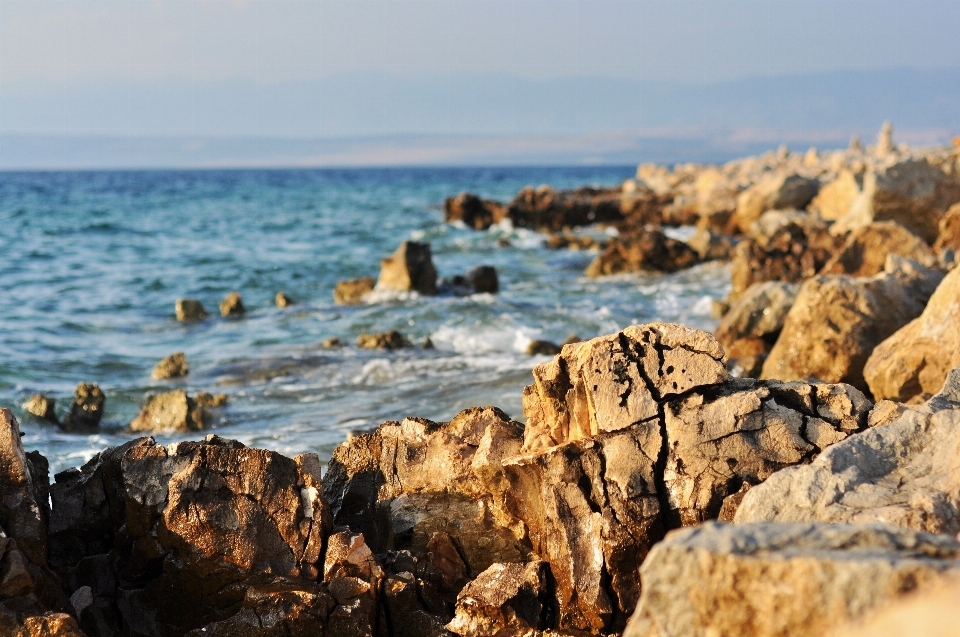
pixel 767 580
pixel 902 472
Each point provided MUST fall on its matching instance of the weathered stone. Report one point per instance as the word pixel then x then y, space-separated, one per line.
pixel 483 279
pixel 835 198
pixel 506 599
pixel 722 437
pixel 948 236
pixel 776 192
pixel 24 510
pixel 544 208
pixel 190 310
pixel 282 300
pixel 194 525
pixel 902 472
pixel 206 399
pixel 613 382
pixel 353 577
pixel 711 246
pixel 86 410
pixel 913 192
pixel 788 248
pixel 769 580
pixel 170 412
pixel 280 609
pixel 391 339
pixel 836 321
pixel 542 348
pixel 48 624
pixel 866 249
pixel 352 291
pixel 173 366
pixel 232 306
pixel 42 407
pixel 930 610
pixel 473 211
pixel 407 481
pixel 916 359
pixel 758 316
pixel 646 250
pixel 410 268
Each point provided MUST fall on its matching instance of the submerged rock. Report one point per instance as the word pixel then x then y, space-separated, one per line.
pixel 866 249
pixel 915 360
pixel 232 306
pixel 647 250
pixel 409 268
pixel 170 412
pixel 86 410
pixel 352 291
pixel 391 339
pixel 173 366
pixel 768 580
pixel 42 407
pixel 190 310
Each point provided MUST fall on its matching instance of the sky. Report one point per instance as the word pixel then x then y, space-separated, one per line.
pixel 342 68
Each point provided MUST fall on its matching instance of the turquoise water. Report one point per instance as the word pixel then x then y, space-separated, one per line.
pixel 91 264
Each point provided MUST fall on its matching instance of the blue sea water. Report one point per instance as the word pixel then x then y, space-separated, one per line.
pixel 91 264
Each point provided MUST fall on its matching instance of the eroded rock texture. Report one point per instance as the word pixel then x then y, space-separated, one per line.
pixel 767 580
pixel 473 211
pixel 409 268
pixel 902 472
pixel 837 320
pixel 544 208
pixel 644 250
pixel 777 192
pixel 752 325
pixel 866 249
pixel 506 599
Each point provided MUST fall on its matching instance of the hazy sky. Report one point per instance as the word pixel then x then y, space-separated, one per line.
pixel 287 40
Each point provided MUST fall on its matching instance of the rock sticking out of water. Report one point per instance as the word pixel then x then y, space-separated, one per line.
pixel 409 268
pixel 173 366
pixel 282 300
pixel 188 310
pixel 353 291
pixel 171 412
pixel 42 407
pixel 232 306
pixel 391 339
pixel 86 410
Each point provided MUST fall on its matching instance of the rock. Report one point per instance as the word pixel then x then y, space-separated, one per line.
pixel 427 343
pixel 410 268
pixel 767 227
pixel 885 139
pixel 931 610
pixel 483 279
pixel 547 209
pixel 912 192
pixel 776 192
pixel 44 625
pixel 473 211
pixel 788 248
pixel 42 407
pixel 647 250
pixel 352 291
pixel 277 610
pixel 391 339
pixel 581 393
pixel 751 326
pixel 24 508
pixel 542 348
pixel 948 237
pixel 835 198
pixel 330 343
pixel 766 580
pixel 170 412
pixel 86 410
pixel 866 249
pixel 197 533
pixel 900 471
pixel 282 300
pixel 173 366
pixel 506 599
pixel 354 578
pixel 711 246
pixel 206 399
pixel 406 482
pixel 916 359
pixel 836 321
pixel 232 306
pixel 190 310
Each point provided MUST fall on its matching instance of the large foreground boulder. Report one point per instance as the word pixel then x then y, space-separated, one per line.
pixel 902 472
pixel 770 580
pixel 409 268
pixel 837 320
pixel 915 360
pixel 914 192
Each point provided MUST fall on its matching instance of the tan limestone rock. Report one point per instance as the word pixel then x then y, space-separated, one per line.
pixel 169 412
pixel 42 407
pixel 916 359
pixel 866 249
pixel 409 268
pixel 190 310
pixel 352 291
pixel 232 306
pixel 173 366
pixel 948 237
pixel 775 192
pixel 835 198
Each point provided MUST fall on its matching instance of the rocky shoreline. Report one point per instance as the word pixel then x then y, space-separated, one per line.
pixel 791 474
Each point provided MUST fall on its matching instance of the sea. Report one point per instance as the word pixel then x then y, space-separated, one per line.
pixel 92 263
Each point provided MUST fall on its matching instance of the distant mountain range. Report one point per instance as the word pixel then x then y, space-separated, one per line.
pixel 466 118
